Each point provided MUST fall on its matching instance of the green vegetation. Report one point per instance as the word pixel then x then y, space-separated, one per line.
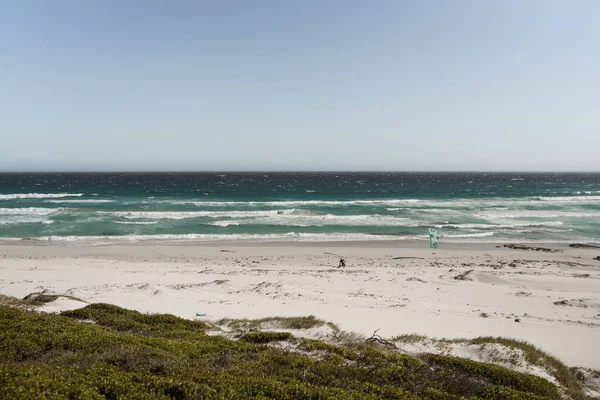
pixel 125 354
pixel 32 300
pixel 266 337
pixel 409 338
pixel 312 345
pixel 14 302
pixel 122 320
pixel 535 356
pixel 39 299
pixel 496 375
pixel 277 322
pixel 568 378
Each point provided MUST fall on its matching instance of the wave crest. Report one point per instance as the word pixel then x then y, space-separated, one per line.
pixel 14 196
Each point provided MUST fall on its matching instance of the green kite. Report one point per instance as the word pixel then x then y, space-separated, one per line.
pixel 433 239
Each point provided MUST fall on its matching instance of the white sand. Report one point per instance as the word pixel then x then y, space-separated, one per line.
pixel 375 290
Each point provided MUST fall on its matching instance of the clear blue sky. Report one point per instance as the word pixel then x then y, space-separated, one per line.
pixel 300 85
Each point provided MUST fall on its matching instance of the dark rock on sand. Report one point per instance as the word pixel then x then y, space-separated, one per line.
pixel 523 247
pixel 572 303
pixel 584 246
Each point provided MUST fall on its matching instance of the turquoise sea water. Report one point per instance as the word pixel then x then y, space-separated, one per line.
pixel 96 208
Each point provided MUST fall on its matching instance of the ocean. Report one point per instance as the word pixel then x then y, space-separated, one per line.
pixel 101 208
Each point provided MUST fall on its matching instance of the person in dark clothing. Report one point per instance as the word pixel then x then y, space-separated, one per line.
pixel 342 263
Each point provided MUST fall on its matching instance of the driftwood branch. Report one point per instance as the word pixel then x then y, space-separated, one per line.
pixel 376 338
pixel 339 335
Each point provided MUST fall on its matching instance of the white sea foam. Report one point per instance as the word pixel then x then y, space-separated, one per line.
pixel 136 222
pixel 225 223
pixel 19 219
pixel 499 226
pixel 515 214
pixel 543 230
pixel 29 211
pixel 291 237
pixel 322 220
pixel 579 199
pixel 426 205
pixel 271 217
pixel 188 214
pixel 193 237
pixel 291 203
pixel 80 201
pixel 468 235
pixel 37 195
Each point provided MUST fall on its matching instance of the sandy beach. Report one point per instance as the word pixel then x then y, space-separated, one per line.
pixel 550 299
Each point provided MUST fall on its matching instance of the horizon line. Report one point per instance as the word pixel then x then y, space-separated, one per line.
pixel 258 171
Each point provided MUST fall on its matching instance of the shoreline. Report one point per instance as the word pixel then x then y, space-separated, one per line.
pixel 393 286
pixel 383 243
pixel 422 247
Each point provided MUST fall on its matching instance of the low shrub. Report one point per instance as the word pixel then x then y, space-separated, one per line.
pixel 277 322
pixel 124 320
pixel 266 337
pixel 138 356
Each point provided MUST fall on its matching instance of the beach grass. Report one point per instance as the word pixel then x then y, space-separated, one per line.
pixel 277 323
pixel 39 298
pixel 563 374
pixel 33 300
pixel 11 301
pixel 118 353
pixel 409 338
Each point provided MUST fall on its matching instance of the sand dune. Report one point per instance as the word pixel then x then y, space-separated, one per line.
pixel 549 299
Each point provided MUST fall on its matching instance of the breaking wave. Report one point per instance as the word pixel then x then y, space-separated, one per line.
pixel 91 201
pixel 29 211
pixel 38 195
